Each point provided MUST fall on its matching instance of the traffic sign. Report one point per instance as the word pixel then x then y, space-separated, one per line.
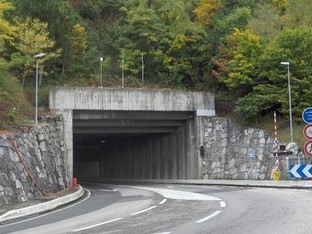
pixel 308 148
pixel 300 171
pixel 307 115
pixel 307 131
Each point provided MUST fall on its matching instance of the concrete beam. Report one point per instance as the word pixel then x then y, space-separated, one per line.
pixel 128 99
pixel 124 130
pixel 127 123
pixel 132 115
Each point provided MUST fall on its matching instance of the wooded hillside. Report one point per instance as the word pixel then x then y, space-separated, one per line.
pixel 233 48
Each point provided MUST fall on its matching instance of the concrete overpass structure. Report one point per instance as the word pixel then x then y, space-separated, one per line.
pixel 132 133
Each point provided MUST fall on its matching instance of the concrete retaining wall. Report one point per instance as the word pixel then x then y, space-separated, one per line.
pixel 43 151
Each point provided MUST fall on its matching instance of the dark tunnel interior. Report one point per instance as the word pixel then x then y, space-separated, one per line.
pixel 126 145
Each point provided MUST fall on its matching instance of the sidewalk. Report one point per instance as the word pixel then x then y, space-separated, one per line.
pixel 36 206
pixel 11 212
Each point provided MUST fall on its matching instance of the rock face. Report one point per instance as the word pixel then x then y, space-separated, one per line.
pixel 234 152
pixel 33 162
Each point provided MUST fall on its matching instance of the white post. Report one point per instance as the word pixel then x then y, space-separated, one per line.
pixel 37 57
pixel 289 97
pixel 122 74
pixel 142 69
pixel 101 59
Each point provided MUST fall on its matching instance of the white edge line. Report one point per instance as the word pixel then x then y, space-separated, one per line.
pixel 209 217
pixel 222 204
pixel 162 233
pixel 96 225
pixel 139 212
pixel 162 202
pixel 49 212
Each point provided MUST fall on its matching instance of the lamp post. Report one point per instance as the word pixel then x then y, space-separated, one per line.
pixel 142 69
pixel 101 59
pixel 289 95
pixel 122 74
pixel 37 57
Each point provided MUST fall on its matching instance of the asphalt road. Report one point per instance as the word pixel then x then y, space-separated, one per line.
pixel 177 209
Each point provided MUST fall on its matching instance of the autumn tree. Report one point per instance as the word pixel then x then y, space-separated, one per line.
pixel 31 38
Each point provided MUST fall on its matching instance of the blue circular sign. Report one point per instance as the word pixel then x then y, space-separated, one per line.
pixel 307 115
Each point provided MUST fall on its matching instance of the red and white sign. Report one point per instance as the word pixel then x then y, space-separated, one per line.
pixel 307 131
pixel 308 148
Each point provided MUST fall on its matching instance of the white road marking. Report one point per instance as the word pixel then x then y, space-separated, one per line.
pixel 162 233
pixel 108 190
pixel 181 195
pixel 139 212
pixel 222 204
pixel 96 225
pixel 162 202
pixel 209 217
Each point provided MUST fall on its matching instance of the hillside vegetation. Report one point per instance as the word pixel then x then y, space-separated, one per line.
pixel 231 48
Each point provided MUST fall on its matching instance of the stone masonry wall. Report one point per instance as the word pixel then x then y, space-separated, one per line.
pixel 43 151
pixel 228 146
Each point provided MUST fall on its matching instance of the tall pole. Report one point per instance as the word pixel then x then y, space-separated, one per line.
pixel 122 74
pixel 101 59
pixel 290 107
pixel 289 97
pixel 37 57
pixel 36 107
pixel 142 69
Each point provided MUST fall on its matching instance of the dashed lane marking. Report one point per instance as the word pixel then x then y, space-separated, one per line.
pixel 139 212
pixel 209 217
pixel 222 204
pixel 108 190
pixel 96 225
pixel 162 202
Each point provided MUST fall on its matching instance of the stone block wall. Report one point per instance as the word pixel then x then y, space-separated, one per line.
pixel 235 152
pixel 33 162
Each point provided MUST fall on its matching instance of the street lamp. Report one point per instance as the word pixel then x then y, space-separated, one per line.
pixel 37 57
pixel 142 69
pixel 289 94
pixel 122 73
pixel 101 59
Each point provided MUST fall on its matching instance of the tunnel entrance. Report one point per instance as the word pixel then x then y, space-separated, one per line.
pixel 133 144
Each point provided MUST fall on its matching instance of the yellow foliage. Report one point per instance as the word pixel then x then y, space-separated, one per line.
pixel 179 42
pixel 6 30
pixel 206 10
pixel 78 38
pixel 31 37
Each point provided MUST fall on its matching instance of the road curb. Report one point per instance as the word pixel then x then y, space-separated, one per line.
pixel 242 183
pixel 42 207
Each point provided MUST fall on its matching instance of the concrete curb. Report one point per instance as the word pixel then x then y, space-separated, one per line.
pixel 241 183
pixel 42 207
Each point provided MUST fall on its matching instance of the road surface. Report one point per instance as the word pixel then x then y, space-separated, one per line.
pixel 177 209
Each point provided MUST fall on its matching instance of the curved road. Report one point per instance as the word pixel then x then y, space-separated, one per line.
pixel 177 209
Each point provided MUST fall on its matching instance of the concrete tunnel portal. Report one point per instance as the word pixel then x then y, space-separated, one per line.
pixel 131 144
pixel 126 134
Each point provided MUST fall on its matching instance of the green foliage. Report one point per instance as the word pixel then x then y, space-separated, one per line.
pixel 293 46
pixel 233 47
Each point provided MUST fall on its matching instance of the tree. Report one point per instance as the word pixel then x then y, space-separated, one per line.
pixel 31 38
pixel 205 11
pixel 61 19
pixel 271 90
pixel 6 32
